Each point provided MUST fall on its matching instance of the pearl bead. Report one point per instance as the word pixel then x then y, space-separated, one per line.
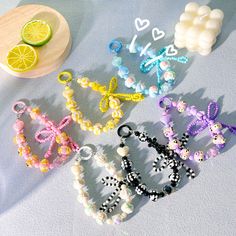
pixel 128 208
pixel 77 169
pixel 217 14
pixel 101 217
pixel 123 151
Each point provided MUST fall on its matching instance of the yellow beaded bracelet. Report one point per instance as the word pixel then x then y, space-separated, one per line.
pixel 110 99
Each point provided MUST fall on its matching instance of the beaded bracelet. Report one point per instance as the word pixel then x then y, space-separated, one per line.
pixel 51 133
pixel 203 120
pixel 133 178
pixel 165 73
pixel 122 191
pixel 110 99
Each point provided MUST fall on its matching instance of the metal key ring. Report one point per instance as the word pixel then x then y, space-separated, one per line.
pixel 85 153
pixel 125 134
pixel 19 107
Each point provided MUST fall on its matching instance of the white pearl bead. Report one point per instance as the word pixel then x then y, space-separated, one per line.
pixel 101 159
pixel 79 183
pixel 101 217
pixel 77 169
pixel 125 193
pixel 191 7
pixel 128 208
pixel 123 151
pixel 179 44
pixel 213 25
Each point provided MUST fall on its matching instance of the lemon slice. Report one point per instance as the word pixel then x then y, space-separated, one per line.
pixel 22 58
pixel 36 33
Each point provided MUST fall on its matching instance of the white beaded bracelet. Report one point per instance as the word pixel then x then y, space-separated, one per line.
pixel 122 192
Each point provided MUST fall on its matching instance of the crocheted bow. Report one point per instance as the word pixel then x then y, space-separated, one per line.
pixel 205 120
pixel 49 133
pixel 149 63
pixel 108 93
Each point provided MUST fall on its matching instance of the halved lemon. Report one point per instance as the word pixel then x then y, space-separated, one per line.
pixel 22 58
pixel 36 33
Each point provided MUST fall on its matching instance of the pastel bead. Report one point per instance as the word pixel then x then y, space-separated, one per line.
pixel 114 103
pixel 128 208
pixel 44 165
pixel 101 217
pixel 164 65
pixel 116 61
pixel 125 192
pixel 129 82
pixel 153 91
pixel 169 75
pixel 123 71
pixel 191 7
pixel 77 170
pixel 101 159
pixel 19 125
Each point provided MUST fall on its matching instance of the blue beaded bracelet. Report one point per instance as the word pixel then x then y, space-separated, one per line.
pixel 165 74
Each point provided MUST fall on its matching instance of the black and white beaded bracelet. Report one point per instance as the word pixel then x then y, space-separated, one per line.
pixel 133 178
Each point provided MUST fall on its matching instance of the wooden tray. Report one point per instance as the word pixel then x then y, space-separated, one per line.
pixel 52 55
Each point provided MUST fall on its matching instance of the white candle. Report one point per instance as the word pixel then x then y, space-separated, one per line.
pixel 198 28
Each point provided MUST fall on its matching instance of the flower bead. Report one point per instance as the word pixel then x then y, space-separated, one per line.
pixel 111 124
pixel 181 106
pixel 116 61
pixel 169 76
pixel 44 165
pixel 213 152
pixel 18 126
pixel 174 144
pixel 68 92
pixel 185 153
pixel 165 88
pixel 168 131
pixel 123 71
pixel 114 103
pixel 117 114
pixel 76 116
pixel 34 113
pixel 61 138
pixel 84 82
pixel 199 156
pixel 97 128
pixel 64 150
pixel 218 139
pixel 86 124
pixel 71 104
pixel 140 87
pixel 19 139
pixel 164 65
pixel 26 150
pixel 153 91
pixel 32 161
pixel 101 217
pixel 129 82
pixel 216 128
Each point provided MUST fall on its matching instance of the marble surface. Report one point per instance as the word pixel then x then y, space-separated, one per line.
pixel 45 205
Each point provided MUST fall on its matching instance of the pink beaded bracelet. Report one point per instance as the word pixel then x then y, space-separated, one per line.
pixel 202 121
pixel 51 133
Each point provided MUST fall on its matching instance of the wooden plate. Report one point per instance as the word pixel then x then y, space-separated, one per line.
pixel 52 55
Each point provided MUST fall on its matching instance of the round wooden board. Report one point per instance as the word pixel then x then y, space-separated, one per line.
pixel 52 55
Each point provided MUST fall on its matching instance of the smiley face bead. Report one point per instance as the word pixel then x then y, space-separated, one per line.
pixel 216 128
pixel 199 156
pixel 181 106
pixel 168 131
pixel 185 153
pixel 218 139
pixel 174 144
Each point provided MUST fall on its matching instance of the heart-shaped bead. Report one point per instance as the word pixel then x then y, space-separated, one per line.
pixel 123 151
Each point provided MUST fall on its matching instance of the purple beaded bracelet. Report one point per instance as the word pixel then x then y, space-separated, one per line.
pixel 202 121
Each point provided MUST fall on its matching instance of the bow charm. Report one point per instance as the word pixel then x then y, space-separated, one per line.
pixel 110 93
pixel 207 120
pixel 50 132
